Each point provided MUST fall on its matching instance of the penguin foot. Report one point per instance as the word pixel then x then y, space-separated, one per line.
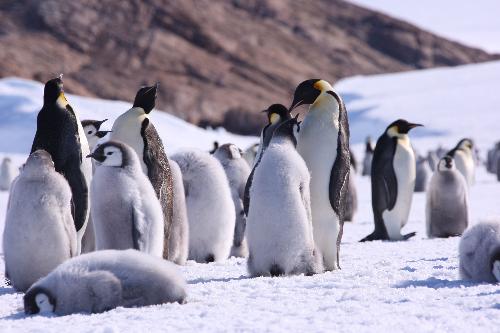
pixel 410 235
pixel 373 236
pixel 210 258
pixel 276 270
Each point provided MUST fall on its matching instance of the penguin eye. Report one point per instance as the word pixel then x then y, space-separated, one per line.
pixel 109 153
pixel 89 132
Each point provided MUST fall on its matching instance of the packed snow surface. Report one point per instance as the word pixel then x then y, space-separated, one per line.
pixel 398 286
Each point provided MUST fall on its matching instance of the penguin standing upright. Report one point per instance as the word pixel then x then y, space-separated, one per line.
pixel 463 155
pixel 237 172
pixel 125 210
pixel 323 143
pixel 393 181
pixel 60 133
pixel 367 160
pixel 7 174
pixel 39 229
pixel 280 236
pixel 136 130
pixel 276 114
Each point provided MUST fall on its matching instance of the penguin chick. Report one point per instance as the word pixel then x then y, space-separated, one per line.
pixel 280 235
pixel 237 172
pixel 125 210
pixel 393 181
pixel 7 174
pixel 447 203
pixel 479 252
pixel 209 206
pixel 92 131
pixel 463 155
pixel 39 230
pixel 103 280
pixel 179 234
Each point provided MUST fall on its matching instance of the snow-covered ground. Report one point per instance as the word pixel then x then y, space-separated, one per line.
pixel 398 286
pixel 473 23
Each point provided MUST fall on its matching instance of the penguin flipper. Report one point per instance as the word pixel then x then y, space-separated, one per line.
pixel 79 195
pixel 409 235
pixel 246 195
pixel 138 230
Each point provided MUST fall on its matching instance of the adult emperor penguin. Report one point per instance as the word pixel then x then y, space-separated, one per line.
pixel 276 114
pixel 447 205
pixel 209 204
pixel 135 129
pixel 7 174
pixel 125 210
pixel 367 160
pixel 103 280
pixel 237 172
pixel 39 230
pixel 60 133
pixel 479 252
pixel 280 235
pixel 323 143
pixel 463 154
pixel 93 132
pixel 393 181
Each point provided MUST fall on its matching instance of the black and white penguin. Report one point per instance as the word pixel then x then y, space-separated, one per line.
pixel 447 207
pixel 393 181
pixel 93 132
pixel 39 229
pixel 60 133
pixel 100 281
pixel 323 143
pixel 280 235
pixel 125 210
pixel 237 172
pixel 479 252
pixel 367 159
pixel 463 154
pixel 136 130
pixel 276 114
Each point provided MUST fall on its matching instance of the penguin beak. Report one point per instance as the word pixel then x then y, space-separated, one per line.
pixel 102 134
pixel 305 93
pixel 99 123
pixel 97 156
pixel 410 126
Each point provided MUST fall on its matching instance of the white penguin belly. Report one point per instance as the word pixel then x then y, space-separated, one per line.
pixel 404 168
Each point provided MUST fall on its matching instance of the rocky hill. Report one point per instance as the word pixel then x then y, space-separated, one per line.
pixel 217 61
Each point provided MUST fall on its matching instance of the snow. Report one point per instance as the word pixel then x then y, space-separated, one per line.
pixel 474 23
pixel 398 286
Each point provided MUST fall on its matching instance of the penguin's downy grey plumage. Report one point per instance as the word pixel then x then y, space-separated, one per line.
pixel 367 160
pixel 103 280
pixel 209 204
pixel 422 174
pixel 433 160
pixel 237 172
pixel 60 133
pixel 393 181
pixel 276 114
pixel 479 252
pixel 323 143
pixel 250 153
pixel 447 208
pixel 39 230
pixel 125 210
pixel 7 174
pixel 463 156
pixel 280 235
pixel 179 235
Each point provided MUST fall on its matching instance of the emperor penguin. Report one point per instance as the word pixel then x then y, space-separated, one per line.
pixel 60 133
pixel 179 236
pixel 276 114
pixel 447 205
pixel 463 154
pixel 352 194
pixel 209 204
pixel 39 230
pixel 125 210
pixel 136 130
pixel 250 153
pixel 479 252
pixel 7 174
pixel 367 160
pixel 323 143
pixel 93 132
pixel 101 281
pixel 422 174
pixel 280 230
pixel 393 181
pixel 237 172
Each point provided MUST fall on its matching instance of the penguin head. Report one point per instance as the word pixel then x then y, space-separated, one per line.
pixel 465 144
pixel 146 98
pixel 39 160
pixel 277 112
pixel 215 147
pixel 307 92
pixel 112 154
pixel 91 128
pixel 400 128
pixel 446 163
pixel 39 300
pixel 53 90
pixel 228 151
pixel 286 129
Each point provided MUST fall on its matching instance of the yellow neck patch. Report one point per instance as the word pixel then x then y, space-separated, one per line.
pixel 322 85
pixel 62 99
pixel 274 118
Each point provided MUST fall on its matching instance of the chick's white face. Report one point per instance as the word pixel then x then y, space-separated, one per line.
pixel 114 157
pixel 443 165
pixel 90 131
pixel 43 303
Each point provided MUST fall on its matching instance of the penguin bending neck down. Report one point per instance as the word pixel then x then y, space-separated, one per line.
pixel 323 143
pixel 393 180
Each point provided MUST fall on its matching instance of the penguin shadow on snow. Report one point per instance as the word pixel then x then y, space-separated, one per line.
pixel 435 283
pixel 202 280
